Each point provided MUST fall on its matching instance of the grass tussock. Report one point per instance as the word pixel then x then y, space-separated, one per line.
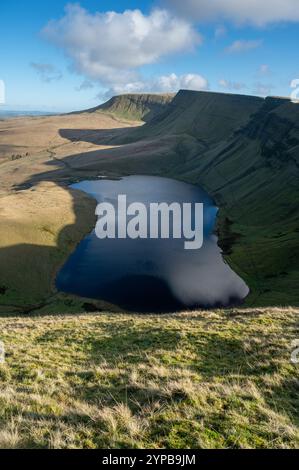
pixel 219 379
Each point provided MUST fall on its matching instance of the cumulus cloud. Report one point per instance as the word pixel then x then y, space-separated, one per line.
pixel 255 12
pixel 47 72
pixel 110 47
pixel 240 46
pixel 171 83
pixel 228 85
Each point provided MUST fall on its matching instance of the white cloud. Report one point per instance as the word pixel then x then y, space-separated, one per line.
pixel 228 85
pixel 256 12
pixel 85 85
pixel 163 84
pixel 172 82
pixel 243 46
pixel 121 89
pixel 110 47
pixel 262 89
pixel 47 72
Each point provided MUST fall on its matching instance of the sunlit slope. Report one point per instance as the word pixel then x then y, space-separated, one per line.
pixel 137 107
pixel 38 229
pixel 218 379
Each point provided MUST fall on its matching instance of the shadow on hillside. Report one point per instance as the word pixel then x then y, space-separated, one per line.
pixel 96 136
pixel 27 271
pixel 217 360
pixel 156 157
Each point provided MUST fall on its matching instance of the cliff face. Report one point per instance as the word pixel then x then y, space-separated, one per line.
pixel 207 116
pixel 224 123
pixel 136 107
pixel 276 129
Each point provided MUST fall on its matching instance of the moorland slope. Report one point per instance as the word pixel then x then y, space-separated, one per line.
pixel 135 107
pixel 203 379
pixel 243 150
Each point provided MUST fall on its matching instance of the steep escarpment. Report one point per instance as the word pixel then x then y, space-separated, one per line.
pixel 208 117
pixel 136 107
pixel 244 151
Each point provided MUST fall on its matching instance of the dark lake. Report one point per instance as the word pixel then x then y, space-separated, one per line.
pixel 150 275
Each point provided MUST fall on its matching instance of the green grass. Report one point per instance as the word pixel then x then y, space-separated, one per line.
pixel 218 379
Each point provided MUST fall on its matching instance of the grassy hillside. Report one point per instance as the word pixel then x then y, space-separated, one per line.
pixel 196 380
pixel 245 152
pixel 136 107
pixel 216 379
pixel 209 117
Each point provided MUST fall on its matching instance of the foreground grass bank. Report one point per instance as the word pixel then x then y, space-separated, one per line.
pixel 197 379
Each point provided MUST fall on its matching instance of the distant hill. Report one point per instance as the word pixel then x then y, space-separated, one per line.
pixel 4 114
pixel 135 107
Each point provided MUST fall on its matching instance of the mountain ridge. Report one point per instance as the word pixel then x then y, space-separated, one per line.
pixel 134 106
pixel 244 151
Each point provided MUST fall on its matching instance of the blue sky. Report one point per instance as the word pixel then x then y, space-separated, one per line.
pixel 85 58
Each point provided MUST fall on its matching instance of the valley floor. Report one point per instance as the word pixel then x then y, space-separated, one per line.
pixel 221 379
